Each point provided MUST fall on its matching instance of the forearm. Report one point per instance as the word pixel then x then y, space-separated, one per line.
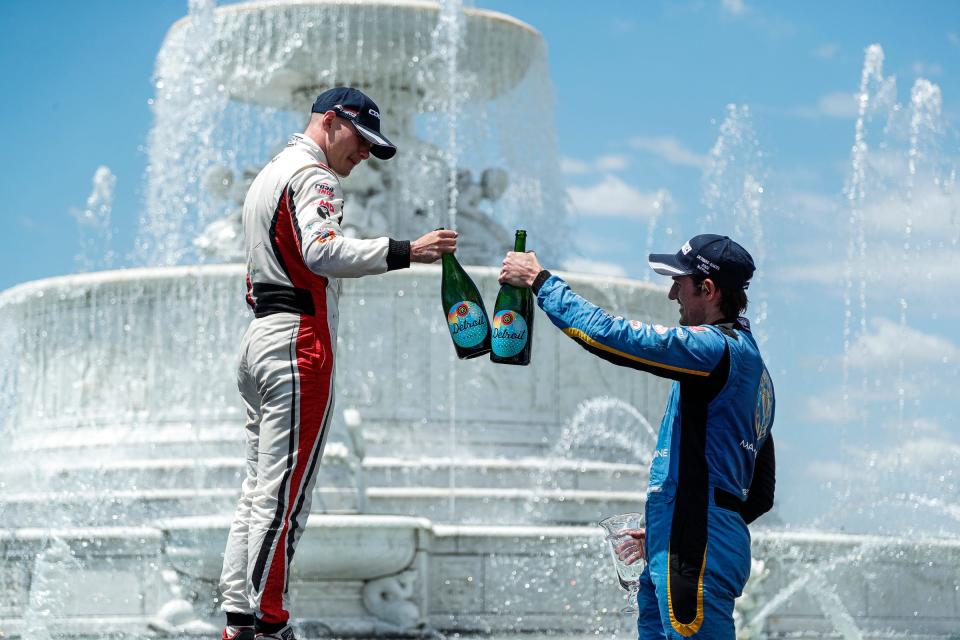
pixel 341 257
pixel 668 352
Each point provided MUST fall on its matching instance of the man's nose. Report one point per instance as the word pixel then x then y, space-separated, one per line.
pixel 365 151
pixel 674 290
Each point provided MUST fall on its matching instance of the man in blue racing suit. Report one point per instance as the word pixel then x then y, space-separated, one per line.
pixel 713 471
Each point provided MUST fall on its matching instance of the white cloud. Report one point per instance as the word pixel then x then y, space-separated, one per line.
pixel 810 204
pixel 826 51
pixel 930 452
pixel 832 105
pixel 597 267
pixel 925 454
pixel 879 393
pixel 573 166
pixel 831 411
pixel 918 456
pixel 734 7
pixel 931 212
pixel 670 150
pixel 614 197
pixel 825 471
pixel 927 69
pixel 886 342
pixel 612 162
pixel 907 485
pixel 934 270
pixel 838 105
pixel 953 39
pixel 623 25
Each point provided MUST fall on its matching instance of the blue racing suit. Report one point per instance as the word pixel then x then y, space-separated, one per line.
pixel 713 469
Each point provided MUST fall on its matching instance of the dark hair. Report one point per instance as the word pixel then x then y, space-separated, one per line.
pixel 733 300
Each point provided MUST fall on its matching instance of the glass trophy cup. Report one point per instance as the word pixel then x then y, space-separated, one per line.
pixel 628 574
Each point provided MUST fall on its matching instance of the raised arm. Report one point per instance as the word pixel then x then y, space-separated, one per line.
pixel 676 352
pixel 318 207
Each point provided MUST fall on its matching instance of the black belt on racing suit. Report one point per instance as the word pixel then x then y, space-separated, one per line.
pixel 277 298
pixel 721 498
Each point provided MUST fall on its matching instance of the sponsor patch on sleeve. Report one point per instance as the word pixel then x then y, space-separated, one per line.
pixel 324 189
pixel 326 236
pixel 325 209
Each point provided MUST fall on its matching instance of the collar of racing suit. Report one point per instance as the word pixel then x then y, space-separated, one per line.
pixel 298 139
pixel 736 323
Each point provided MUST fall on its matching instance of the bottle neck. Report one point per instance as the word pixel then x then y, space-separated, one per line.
pixel 520 242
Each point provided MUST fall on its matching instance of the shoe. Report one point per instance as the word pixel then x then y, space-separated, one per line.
pixel 284 634
pixel 238 633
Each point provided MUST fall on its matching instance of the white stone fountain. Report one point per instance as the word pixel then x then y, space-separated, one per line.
pixel 440 506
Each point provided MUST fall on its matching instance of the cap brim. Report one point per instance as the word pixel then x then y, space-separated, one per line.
pixel 666 264
pixel 381 147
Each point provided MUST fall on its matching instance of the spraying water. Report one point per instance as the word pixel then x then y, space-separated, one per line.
pixel 733 195
pixel 121 386
pixel 96 225
pixel 662 204
pixel 50 591
pixel 189 104
pixel 875 90
pixel 901 227
pixel 926 128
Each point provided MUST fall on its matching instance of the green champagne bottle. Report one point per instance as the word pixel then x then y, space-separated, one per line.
pixel 464 310
pixel 513 319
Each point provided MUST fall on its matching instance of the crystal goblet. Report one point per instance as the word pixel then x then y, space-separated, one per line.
pixel 628 574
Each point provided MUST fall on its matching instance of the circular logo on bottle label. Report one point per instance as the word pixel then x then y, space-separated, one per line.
pixel 467 324
pixel 509 334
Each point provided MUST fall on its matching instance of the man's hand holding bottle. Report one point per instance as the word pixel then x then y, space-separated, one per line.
pixel 430 246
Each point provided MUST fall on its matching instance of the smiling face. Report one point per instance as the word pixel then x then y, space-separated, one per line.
pixel 340 141
pixel 346 148
pixel 694 304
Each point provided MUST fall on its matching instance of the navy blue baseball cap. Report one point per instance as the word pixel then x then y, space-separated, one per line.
pixel 354 105
pixel 708 256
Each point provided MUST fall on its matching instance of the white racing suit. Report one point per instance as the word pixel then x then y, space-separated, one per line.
pixel 296 253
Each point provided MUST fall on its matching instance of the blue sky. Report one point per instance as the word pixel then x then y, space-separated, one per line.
pixel 641 94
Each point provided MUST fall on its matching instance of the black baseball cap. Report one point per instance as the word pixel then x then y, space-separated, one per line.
pixel 354 105
pixel 708 256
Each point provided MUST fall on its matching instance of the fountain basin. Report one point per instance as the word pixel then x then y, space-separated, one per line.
pixel 332 548
pixel 124 393
pixel 282 55
pixel 496 580
pixel 124 411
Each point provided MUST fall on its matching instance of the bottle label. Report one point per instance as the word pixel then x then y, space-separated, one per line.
pixel 467 323
pixel 509 333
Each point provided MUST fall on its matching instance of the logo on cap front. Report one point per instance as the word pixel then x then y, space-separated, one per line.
pixel 686 248
pixel 375 113
pixel 350 112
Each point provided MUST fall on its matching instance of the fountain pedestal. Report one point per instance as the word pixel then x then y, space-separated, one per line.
pixel 439 506
pixel 126 461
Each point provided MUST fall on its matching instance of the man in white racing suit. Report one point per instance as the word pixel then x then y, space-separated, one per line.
pixel 296 254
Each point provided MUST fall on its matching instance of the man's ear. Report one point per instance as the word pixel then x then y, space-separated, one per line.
pixel 709 289
pixel 327 120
